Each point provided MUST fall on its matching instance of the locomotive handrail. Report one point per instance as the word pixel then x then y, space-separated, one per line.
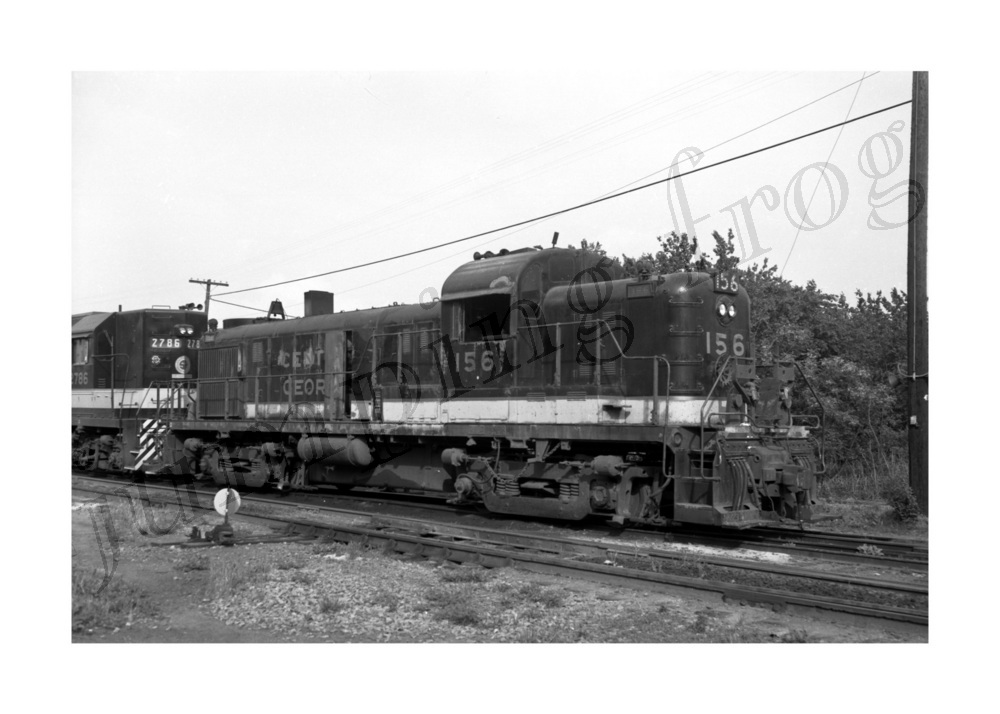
pixel 174 387
pixel 822 419
pixel 654 416
pixel 113 356
pixel 752 422
pixel 257 379
pixel 708 398
pixel 621 353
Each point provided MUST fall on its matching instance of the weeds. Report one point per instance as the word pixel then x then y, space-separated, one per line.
pixel 464 575
pixel 691 564
pixel 897 493
pixel 295 562
pixel 227 575
pixel 304 577
pixel 868 549
pixel 327 547
pixel 736 633
pixel 530 594
pixel 329 606
pixel 357 548
pixel 458 606
pixel 387 599
pixel 795 636
pixel 192 561
pixel 116 606
pixel 866 478
pixel 701 623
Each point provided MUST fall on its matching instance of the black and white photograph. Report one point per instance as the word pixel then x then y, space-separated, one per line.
pixel 447 400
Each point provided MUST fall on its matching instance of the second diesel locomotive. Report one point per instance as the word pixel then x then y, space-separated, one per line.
pixel 131 371
pixel 542 383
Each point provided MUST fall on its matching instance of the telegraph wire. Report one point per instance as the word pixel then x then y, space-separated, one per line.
pixel 559 162
pixel 579 206
pixel 526 154
pixel 247 307
pixel 821 175
pixel 750 131
pixel 632 183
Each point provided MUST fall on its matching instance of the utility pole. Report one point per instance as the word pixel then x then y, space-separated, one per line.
pixel 917 333
pixel 208 290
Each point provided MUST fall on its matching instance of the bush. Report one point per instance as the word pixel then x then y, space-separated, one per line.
pixel 900 497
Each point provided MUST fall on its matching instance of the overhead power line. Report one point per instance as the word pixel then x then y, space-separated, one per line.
pixel 750 131
pixel 579 206
pixel 248 307
pixel 833 148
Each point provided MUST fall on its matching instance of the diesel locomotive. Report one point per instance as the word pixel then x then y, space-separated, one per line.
pixel 542 382
pixel 131 373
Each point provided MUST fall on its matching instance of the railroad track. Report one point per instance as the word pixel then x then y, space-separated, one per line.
pixel 633 566
pixel 848 548
pixel 855 549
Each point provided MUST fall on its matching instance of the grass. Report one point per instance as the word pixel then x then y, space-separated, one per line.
pixel 304 577
pixel 227 575
pixel 872 493
pixel 356 548
pixel 326 546
pixel 865 478
pixel 189 562
pixel 466 596
pixel 387 599
pixel 295 562
pixel 531 594
pixel 330 606
pixel 117 605
pixel 465 575
pixel 458 605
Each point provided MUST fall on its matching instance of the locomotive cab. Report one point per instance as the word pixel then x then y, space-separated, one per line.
pixel 127 368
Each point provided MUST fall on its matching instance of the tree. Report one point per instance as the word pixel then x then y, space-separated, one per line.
pixel 846 351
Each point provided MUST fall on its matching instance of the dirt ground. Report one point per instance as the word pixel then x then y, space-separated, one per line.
pixel 291 592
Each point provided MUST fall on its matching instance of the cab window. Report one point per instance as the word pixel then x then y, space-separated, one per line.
pixel 81 350
pixel 487 318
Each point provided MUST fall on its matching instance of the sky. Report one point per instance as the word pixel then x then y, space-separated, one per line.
pixel 254 178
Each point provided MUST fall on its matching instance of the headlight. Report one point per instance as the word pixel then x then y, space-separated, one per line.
pixel 732 311
pixel 722 309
